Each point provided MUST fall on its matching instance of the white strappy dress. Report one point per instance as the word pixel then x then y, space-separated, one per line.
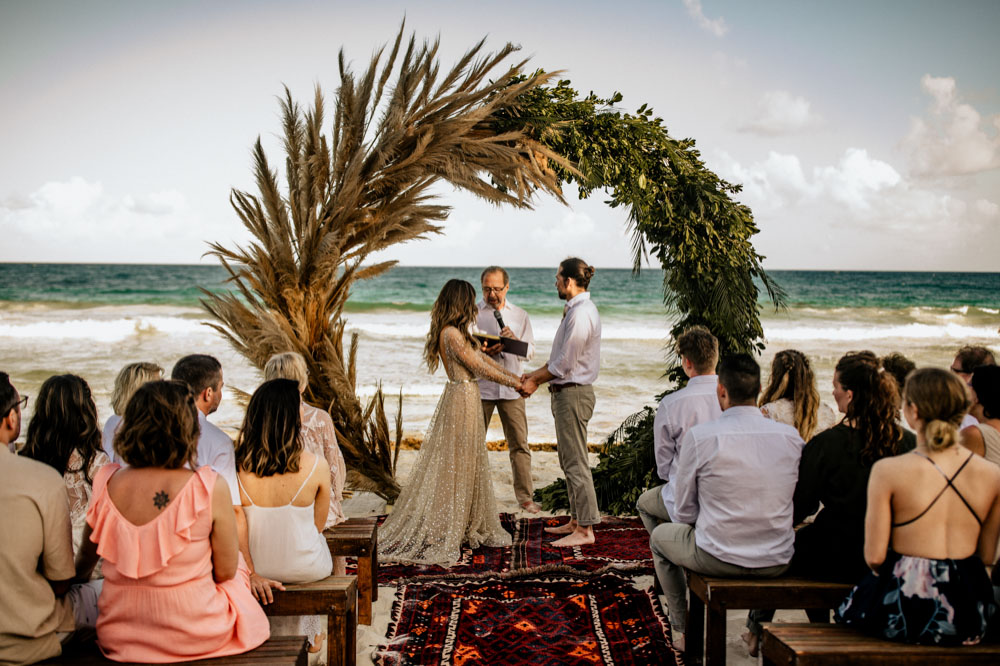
pixel 286 546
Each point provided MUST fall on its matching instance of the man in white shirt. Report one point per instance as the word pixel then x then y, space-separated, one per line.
pixel 508 403
pixel 571 370
pixel 678 412
pixel 966 360
pixel 733 490
pixel 203 373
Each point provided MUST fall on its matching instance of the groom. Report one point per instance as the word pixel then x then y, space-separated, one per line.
pixel 571 370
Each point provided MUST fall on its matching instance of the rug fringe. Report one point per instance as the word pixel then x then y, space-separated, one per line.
pixel 522 573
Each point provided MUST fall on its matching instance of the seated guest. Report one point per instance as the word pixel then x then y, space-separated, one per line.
pixel 933 520
pixel 834 472
pixel 984 437
pixel 791 396
pixel 129 378
pixel 175 588
pixel 696 403
pixel 39 609
pixel 318 434
pixel 732 493
pixel 203 373
pixel 63 433
pixel 286 494
pixel 966 360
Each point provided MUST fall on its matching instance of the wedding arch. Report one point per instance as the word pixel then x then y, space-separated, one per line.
pixel 400 127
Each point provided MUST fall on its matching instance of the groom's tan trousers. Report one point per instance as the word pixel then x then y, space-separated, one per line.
pixel 572 407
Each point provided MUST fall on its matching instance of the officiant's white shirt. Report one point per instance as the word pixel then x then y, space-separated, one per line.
pixel 517 321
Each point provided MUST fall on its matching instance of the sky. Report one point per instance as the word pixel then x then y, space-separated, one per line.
pixel 866 134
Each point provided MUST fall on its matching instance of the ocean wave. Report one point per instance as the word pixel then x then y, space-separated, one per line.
pixel 860 332
pixel 106 330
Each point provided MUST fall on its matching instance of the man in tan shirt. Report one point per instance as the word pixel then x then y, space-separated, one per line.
pixel 36 549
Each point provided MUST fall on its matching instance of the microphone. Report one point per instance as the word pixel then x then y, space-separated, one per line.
pixel 499 318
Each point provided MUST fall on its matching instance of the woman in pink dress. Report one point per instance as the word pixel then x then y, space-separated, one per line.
pixel 175 586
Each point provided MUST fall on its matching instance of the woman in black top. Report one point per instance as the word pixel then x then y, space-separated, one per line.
pixel 834 470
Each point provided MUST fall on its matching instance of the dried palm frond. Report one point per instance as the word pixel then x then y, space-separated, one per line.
pixel 363 189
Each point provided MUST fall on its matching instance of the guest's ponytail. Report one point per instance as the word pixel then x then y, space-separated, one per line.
pixel 940 400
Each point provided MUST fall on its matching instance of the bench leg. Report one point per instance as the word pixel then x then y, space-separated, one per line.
pixel 715 636
pixel 367 587
pixel 341 639
pixel 694 635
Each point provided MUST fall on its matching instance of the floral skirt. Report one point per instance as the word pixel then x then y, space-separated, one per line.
pixel 918 600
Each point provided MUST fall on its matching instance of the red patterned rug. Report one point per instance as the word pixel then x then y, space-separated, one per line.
pixel 556 617
pixel 619 542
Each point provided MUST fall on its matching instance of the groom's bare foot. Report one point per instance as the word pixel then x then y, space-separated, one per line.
pixel 581 536
pixel 565 528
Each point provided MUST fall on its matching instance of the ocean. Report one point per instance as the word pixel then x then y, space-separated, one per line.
pixel 92 319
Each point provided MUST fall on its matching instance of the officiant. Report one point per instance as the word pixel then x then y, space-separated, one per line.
pixel 498 316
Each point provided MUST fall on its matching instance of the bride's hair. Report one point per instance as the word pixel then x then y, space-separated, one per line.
pixel 455 306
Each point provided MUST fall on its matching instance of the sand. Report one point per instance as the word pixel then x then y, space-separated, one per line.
pixel 545 469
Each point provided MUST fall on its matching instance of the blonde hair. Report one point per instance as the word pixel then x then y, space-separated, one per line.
pixel 941 403
pixel 455 306
pixel 128 381
pixel 792 378
pixel 288 365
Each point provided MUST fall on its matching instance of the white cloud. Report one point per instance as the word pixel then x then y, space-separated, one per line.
pixel 953 139
pixel 78 220
pixel 716 26
pixel 781 112
pixel 860 212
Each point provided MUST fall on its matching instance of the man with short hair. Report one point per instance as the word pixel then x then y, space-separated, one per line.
pixel 677 413
pixel 203 373
pixel 39 609
pixel 733 490
pixel 507 402
pixel 966 360
pixel 572 368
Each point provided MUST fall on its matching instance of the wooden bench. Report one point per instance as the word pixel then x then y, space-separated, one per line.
pixel 830 644
pixel 712 597
pixel 358 537
pixel 280 650
pixel 337 598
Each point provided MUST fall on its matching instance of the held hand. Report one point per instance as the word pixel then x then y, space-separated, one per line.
pixel 528 386
pixel 261 588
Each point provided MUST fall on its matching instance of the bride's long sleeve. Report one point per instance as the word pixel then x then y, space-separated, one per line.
pixel 457 347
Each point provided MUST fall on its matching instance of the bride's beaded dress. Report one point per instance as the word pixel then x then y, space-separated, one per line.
pixel 448 498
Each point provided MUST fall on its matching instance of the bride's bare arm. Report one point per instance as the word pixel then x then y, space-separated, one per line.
pixel 457 347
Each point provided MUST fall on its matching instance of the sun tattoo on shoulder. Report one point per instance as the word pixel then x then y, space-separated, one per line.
pixel 160 499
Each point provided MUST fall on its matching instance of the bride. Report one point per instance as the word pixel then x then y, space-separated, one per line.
pixel 448 499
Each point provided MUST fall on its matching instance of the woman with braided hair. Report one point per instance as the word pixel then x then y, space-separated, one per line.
pixel 791 396
pixel 932 524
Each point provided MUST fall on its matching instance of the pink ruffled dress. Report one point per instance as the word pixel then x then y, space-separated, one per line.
pixel 159 602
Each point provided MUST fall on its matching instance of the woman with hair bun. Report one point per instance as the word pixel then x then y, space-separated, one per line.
pixel 791 396
pixel 932 522
pixel 984 437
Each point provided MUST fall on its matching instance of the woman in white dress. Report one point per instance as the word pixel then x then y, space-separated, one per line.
pixel 791 396
pixel 285 492
pixel 448 499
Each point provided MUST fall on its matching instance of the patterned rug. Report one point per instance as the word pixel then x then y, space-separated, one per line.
pixel 619 542
pixel 556 617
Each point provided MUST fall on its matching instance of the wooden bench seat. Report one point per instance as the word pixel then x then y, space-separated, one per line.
pixel 712 597
pixel 358 537
pixel 831 644
pixel 280 651
pixel 337 598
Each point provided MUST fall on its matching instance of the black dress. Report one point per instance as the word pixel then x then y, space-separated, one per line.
pixel 833 472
